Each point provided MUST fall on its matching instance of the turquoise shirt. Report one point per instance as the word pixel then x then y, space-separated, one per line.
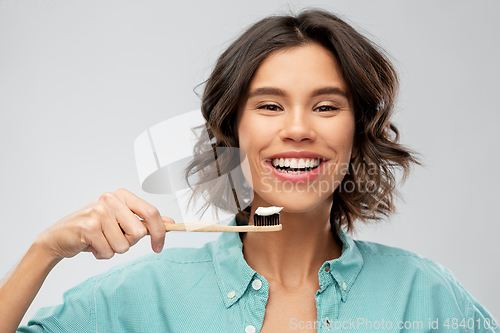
pixel 369 288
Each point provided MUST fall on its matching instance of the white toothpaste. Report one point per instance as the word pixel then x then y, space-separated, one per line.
pixel 265 211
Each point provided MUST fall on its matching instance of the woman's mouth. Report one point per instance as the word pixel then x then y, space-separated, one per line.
pixel 295 165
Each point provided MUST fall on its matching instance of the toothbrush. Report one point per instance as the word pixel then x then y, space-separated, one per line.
pixel 265 219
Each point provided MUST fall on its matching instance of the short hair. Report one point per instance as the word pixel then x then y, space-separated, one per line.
pixel 372 82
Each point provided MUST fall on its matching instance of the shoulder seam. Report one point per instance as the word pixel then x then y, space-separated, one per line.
pixel 442 270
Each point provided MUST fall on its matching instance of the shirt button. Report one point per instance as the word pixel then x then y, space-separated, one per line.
pixel 344 285
pixel 231 294
pixel 256 284
pixel 249 329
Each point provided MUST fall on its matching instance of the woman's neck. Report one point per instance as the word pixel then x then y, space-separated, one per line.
pixel 293 256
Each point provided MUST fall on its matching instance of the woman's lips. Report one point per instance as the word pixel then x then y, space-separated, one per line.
pixel 298 177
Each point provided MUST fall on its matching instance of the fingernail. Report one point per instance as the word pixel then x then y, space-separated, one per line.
pixel 159 248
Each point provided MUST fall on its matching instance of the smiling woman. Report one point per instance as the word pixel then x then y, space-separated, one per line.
pixel 309 100
pixel 297 99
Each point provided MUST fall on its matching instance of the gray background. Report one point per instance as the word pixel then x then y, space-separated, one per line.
pixel 80 80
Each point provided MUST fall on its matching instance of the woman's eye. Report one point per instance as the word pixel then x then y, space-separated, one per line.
pixel 270 107
pixel 325 108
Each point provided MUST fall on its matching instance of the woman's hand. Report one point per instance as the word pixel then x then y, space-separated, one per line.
pixel 106 226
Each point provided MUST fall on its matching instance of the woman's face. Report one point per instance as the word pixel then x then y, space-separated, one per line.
pixel 296 126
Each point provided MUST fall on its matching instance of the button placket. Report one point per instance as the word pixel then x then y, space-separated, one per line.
pixel 256 301
pixel 328 303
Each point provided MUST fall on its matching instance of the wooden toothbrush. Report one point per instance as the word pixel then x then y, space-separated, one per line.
pixel 265 219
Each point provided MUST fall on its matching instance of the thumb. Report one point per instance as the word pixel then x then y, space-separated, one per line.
pixel 167 219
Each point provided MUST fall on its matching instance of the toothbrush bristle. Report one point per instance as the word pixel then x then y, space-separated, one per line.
pixel 267 220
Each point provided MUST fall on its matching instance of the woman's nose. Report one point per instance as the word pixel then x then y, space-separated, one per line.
pixel 297 126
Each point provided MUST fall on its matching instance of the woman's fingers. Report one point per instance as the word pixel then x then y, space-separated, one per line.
pixel 151 215
pixel 129 224
pixel 123 228
pixel 100 247
pixel 107 225
pixel 115 237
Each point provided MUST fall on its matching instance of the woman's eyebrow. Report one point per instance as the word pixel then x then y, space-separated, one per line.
pixel 266 91
pixel 329 91
pixel 279 92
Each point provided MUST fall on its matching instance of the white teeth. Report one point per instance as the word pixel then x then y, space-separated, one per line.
pixel 295 163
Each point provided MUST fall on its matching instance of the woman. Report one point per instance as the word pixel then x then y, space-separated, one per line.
pixel 309 100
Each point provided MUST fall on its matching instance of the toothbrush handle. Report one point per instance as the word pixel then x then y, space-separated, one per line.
pixel 214 227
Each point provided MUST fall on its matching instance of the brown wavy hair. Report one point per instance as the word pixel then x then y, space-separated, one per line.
pixel 368 189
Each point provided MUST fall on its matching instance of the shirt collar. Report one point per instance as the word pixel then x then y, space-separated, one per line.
pixel 234 275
